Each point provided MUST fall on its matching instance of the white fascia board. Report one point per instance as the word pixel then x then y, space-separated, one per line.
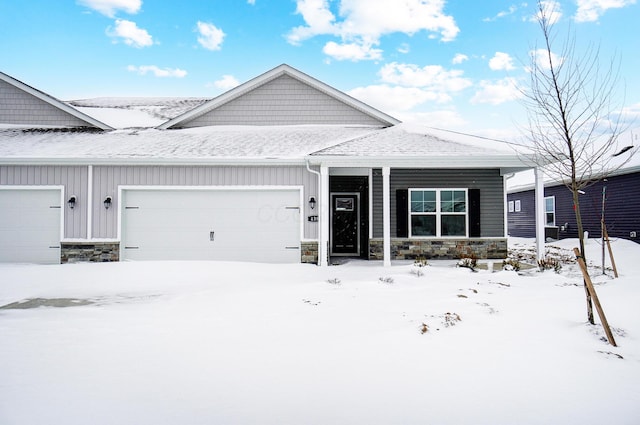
pixel 54 102
pixel 154 161
pixel 268 76
pixel 484 161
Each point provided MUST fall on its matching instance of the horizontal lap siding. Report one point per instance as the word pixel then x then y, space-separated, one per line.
pixel 107 180
pixel 283 101
pixel 74 180
pixel 490 183
pixel 19 107
pixel 522 224
pixel 622 204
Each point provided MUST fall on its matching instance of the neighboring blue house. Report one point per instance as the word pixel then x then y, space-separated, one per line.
pixel 283 168
pixel 621 205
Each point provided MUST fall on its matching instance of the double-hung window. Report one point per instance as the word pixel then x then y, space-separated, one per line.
pixel 550 210
pixel 438 212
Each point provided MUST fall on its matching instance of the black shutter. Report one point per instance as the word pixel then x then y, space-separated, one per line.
pixel 474 213
pixel 402 213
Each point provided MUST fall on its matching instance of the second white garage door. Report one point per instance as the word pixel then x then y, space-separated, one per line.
pixel 261 225
pixel 30 225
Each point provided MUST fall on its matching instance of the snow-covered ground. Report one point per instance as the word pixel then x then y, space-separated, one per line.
pixel 242 343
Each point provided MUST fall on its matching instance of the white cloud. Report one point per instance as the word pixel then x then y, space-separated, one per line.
pixel 551 10
pixel 404 48
pixel 542 56
pixel 502 14
pixel 110 7
pixel 130 34
pixel 227 82
pixel 396 98
pixel 459 58
pixel 210 36
pixel 251 1
pixel 591 10
pixel 364 22
pixel 156 71
pixel 440 119
pixel 501 61
pixel 497 92
pixel 433 77
pixel 351 51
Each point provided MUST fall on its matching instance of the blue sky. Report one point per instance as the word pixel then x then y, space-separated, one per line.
pixel 451 64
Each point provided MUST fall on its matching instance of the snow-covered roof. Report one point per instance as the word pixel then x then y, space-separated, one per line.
pixel 195 145
pixel 44 97
pixel 625 161
pixel 426 147
pixel 136 112
pixel 260 80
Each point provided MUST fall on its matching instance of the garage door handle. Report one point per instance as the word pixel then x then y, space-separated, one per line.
pixel 212 236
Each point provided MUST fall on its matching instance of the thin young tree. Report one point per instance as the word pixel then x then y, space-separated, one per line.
pixel 572 105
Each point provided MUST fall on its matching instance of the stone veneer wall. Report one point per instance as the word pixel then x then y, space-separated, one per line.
pixel 444 249
pixel 309 252
pixel 100 252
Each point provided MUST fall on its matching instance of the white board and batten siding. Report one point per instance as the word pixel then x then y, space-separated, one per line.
pixel 108 179
pixel 74 179
pixel 31 224
pixel 261 224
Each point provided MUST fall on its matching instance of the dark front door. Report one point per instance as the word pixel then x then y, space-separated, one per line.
pixel 345 224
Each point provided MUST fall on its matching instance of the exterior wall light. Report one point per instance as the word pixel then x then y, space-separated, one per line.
pixel 312 202
pixel 72 201
pixel 107 202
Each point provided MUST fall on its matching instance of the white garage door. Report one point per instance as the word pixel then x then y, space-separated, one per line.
pixel 228 225
pixel 30 221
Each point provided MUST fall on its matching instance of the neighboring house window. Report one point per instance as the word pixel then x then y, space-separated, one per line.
pixel 550 210
pixel 437 212
pixel 517 206
pixel 511 206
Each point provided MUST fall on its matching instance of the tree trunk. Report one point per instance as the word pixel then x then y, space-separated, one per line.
pixel 576 206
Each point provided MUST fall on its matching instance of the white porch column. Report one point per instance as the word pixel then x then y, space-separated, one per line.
pixel 386 217
pixel 323 240
pixel 539 213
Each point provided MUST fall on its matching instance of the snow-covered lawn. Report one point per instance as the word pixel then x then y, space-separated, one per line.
pixel 241 343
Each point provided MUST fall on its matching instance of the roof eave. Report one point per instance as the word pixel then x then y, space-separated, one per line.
pixel 435 162
pixel 213 161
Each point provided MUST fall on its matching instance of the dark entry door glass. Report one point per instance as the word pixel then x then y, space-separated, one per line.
pixel 345 224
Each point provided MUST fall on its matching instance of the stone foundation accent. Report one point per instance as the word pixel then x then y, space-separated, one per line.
pixel 443 249
pixel 309 252
pixel 97 252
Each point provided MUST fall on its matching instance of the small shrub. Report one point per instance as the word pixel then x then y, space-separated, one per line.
pixel 385 280
pixel 469 262
pixel 549 264
pixel 334 281
pixel 424 328
pixel 511 264
pixel 420 262
pixel 418 265
pixel 450 319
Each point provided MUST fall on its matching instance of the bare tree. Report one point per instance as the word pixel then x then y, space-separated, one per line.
pixel 572 105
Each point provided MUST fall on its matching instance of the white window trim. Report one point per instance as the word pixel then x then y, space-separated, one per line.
pixel 547 212
pixel 511 206
pixel 439 213
pixel 518 206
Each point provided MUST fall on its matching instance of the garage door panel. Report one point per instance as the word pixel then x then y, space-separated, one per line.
pixel 30 221
pixel 248 225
